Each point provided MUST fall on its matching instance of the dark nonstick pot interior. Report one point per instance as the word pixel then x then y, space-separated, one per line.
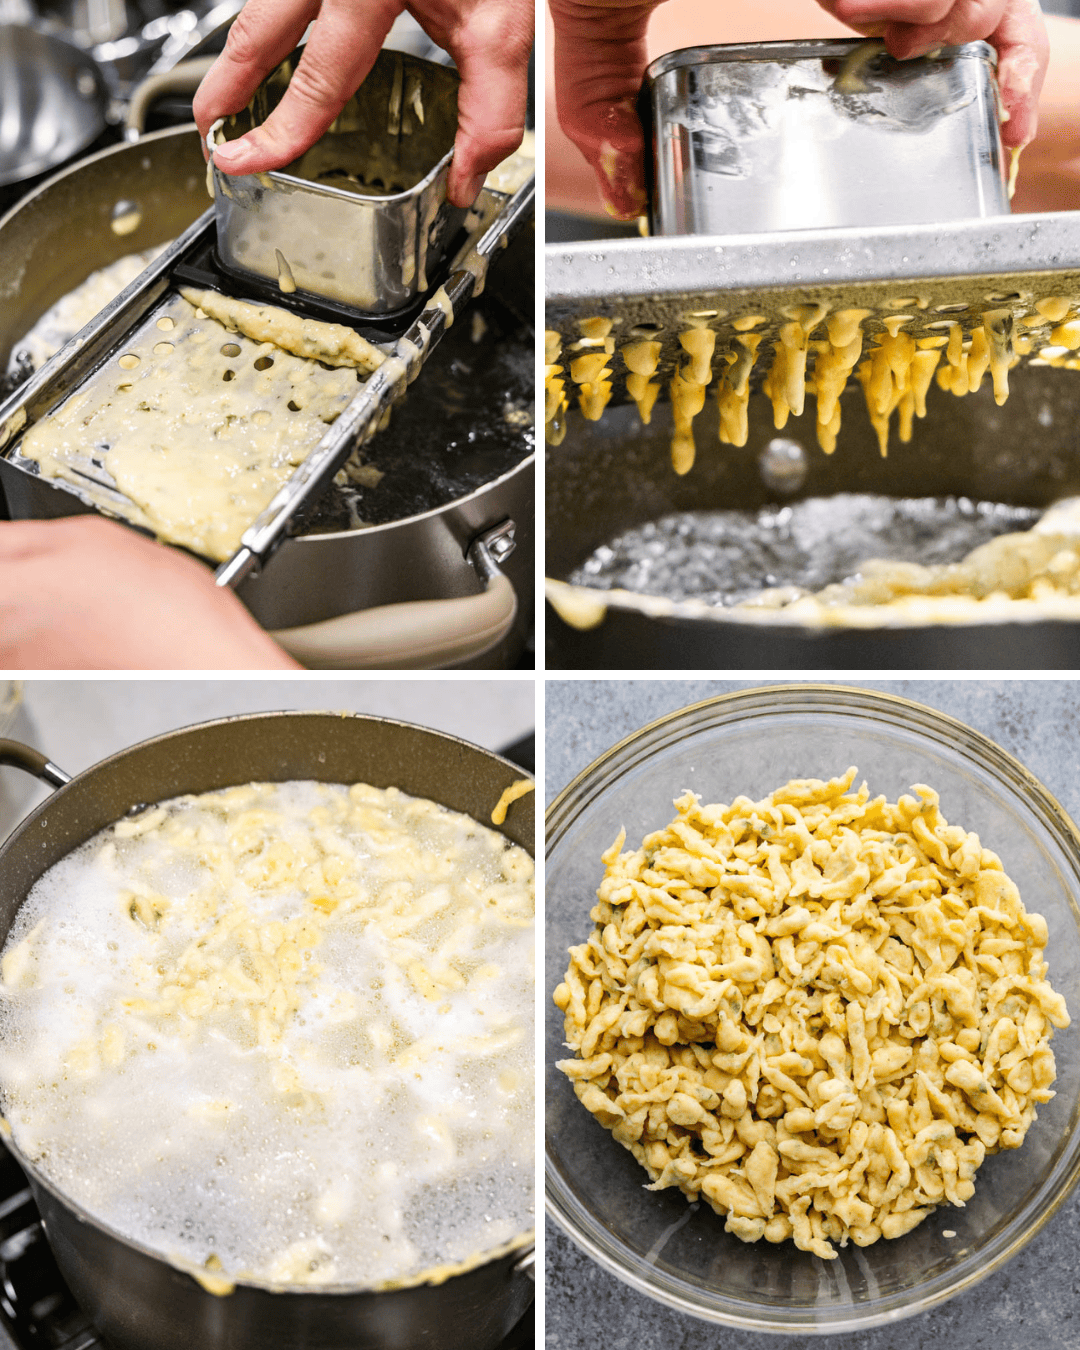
pixel 467 419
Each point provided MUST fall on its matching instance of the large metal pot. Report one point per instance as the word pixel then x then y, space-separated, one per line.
pixel 135 1297
pixel 54 238
pixel 615 474
pixel 62 231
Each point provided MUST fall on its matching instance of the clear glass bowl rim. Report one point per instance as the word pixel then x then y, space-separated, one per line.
pixel 876 705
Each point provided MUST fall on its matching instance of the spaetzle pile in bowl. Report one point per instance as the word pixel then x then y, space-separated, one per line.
pixel 281 1034
pixel 819 1012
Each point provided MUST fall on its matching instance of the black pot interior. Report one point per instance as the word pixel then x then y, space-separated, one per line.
pixel 616 473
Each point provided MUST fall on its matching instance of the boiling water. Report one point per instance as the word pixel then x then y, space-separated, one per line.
pixel 283 1032
pixel 728 557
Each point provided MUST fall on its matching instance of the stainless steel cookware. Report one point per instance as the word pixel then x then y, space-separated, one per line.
pixel 135 1297
pixel 795 135
pixel 448 483
pixel 52 102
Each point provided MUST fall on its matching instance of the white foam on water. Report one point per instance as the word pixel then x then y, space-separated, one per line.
pixel 285 1028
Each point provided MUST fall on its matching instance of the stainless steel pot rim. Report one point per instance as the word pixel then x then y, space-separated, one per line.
pixel 808 49
pixel 188 129
pixel 873 705
pixel 312 714
pixel 387 526
pixel 849 618
pixel 516 1246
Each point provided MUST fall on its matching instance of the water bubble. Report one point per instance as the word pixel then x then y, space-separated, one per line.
pixel 783 465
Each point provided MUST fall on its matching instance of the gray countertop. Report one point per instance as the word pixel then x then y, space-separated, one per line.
pixel 79 722
pixel 1035 1299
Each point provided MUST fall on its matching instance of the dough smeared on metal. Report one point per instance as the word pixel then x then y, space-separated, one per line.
pixel 332 343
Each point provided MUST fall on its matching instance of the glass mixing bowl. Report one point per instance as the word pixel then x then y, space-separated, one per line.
pixel 751 742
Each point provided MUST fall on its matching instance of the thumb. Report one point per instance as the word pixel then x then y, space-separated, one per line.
pixel 600 59
pixel 1023 54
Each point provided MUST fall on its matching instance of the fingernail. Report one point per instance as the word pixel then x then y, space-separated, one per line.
pixel 620 211
pixel 615 213
pixel 913 51
pixel 232 154
pixel 907 44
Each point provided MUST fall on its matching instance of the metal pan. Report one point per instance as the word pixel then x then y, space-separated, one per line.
pixel 136 1298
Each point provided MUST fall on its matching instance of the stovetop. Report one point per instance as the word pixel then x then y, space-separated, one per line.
pixel 36 1310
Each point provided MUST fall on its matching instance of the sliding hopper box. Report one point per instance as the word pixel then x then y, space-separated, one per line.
pixel 362 218
pixel 797 135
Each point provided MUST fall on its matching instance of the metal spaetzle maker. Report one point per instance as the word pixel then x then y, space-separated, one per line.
pixel 358 223
pixel 788 182
pixel 299 565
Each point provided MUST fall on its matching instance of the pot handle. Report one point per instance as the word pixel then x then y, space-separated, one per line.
pixel 423 633
pixel 184 78
pixel 526 1265
pixel 18 756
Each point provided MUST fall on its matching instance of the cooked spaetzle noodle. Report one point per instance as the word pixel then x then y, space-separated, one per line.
pixel 282 1032
pixel 818 1012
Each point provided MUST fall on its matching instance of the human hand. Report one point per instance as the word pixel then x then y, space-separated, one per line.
pixel 1014 28
pixel 88 594
pixel 489 40
pixel 600 58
